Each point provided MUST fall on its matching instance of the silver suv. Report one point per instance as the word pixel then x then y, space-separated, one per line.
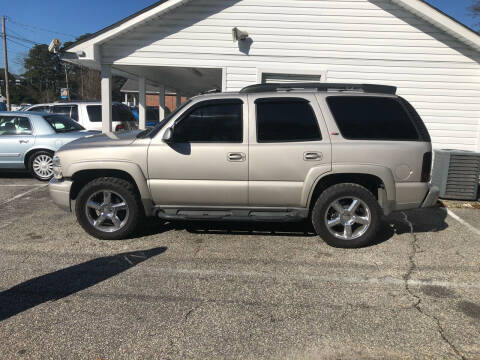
pixel 341 155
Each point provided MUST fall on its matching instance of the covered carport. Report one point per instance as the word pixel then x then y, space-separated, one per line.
pixel 96 52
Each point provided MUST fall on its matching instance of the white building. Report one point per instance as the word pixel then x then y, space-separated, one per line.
pixel 186 46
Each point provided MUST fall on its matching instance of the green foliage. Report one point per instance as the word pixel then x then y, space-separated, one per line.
pixel 45 75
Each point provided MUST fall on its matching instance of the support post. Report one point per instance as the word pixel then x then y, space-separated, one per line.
pixel 106 92
pixel 161 107
pixel 5 59
pixel 126 98
pixel 179 101
pixel 142 103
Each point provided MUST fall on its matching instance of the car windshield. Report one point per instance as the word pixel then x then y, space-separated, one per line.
pixel 161 124
pixel 62 123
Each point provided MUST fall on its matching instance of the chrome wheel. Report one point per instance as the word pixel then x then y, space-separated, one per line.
pixel 107 211
pixel 348 218
pixel 43 166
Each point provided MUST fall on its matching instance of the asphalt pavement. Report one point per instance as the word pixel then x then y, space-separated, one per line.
pixel 234 290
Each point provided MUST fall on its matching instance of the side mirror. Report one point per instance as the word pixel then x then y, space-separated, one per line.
pixel 168 135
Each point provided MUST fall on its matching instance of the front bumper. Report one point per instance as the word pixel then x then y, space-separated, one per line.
pixel 60 193
pixel 432 196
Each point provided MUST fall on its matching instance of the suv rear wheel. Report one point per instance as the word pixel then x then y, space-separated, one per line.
pixel 347 216
pixel 109 208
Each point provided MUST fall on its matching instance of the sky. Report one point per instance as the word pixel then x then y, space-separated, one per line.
pixel 38 21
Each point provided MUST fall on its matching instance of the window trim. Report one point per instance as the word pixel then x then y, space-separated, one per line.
pixel 285 99
pixel 236 101
pixel 419 136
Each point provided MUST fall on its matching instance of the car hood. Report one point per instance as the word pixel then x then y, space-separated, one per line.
pixel 102 140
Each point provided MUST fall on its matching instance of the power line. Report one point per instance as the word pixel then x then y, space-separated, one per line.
pixel 31 28
pixel 22 39
pixel 20 44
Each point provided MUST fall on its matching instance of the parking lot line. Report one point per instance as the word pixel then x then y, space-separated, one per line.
pixel 463 222
pixel 38 187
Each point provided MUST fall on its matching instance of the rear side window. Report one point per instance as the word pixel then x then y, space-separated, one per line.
pixel 119 113
pixel 211 122
pixel 372 118
pixel 63 123
pixel 94 113
pixel 67 110
pixel 286 120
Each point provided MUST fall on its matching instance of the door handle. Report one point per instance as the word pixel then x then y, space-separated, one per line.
pixel 23 141
pixel 312 156
pixel 236 157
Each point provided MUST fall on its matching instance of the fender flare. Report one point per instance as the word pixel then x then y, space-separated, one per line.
pixel 129 167
pixel 383 173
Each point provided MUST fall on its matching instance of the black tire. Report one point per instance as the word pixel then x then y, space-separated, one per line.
pixel 342 191
pixel 31 159
pixel 129 194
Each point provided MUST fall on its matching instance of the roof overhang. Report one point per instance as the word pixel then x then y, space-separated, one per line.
pixel 442 21
pixel 87 50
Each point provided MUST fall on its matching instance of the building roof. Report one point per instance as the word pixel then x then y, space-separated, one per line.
pixel 418 7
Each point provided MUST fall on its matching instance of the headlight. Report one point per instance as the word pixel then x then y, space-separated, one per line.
pixel 57 168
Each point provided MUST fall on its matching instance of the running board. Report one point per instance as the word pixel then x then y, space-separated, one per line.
pixel 259 214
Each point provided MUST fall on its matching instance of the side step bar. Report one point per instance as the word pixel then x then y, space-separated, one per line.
pixel 266 214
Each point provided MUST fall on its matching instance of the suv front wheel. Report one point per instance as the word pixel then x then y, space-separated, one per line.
pixel 109 208
pixel 347 216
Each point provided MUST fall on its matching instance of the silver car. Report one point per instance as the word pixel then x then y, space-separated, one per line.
pixel 29 140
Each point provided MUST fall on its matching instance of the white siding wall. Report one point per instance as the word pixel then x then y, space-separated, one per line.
pixel 371 41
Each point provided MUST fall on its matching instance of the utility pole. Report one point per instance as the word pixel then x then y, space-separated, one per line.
pixel 5 58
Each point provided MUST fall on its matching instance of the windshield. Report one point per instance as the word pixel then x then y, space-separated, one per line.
pixel 62 123
pixel 153 131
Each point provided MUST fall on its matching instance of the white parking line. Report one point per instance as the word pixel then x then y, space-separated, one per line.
pixel 463 222
pixel 22 194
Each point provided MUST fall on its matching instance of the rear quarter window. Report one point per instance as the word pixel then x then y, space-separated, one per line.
pixel 372 118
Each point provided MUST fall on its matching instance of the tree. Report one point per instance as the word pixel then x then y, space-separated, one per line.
pixel 43 73
pixel 475 9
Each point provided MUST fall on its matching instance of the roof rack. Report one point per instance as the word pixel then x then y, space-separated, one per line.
pixel 367 88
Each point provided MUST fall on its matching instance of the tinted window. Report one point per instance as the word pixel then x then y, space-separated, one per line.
pixel 120 112
pixel 371 118
pixel 62 123
pixel 285 120
pixel 212 122
pixel 67 110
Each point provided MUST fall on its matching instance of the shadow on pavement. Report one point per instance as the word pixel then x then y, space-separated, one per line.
pixel 422 220
pixel 65 282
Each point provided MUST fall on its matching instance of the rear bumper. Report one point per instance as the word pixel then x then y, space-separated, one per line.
pixel 60 193
pixel 432 196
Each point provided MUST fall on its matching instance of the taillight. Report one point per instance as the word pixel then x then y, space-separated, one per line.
pixel 119 127
pixel 426 166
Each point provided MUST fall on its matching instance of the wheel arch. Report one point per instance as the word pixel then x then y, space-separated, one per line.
pixel 30 152
pixel 82 173
pixel 371 177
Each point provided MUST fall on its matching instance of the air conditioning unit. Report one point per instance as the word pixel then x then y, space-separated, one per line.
pixel 456 173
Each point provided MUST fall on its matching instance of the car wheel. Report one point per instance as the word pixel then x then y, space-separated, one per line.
pixel 109 208
pixel 346 216
pixel 40 165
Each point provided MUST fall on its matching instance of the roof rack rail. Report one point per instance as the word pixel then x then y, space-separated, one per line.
pixel 367 88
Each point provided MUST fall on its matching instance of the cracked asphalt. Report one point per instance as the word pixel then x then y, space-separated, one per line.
pixel 222 290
